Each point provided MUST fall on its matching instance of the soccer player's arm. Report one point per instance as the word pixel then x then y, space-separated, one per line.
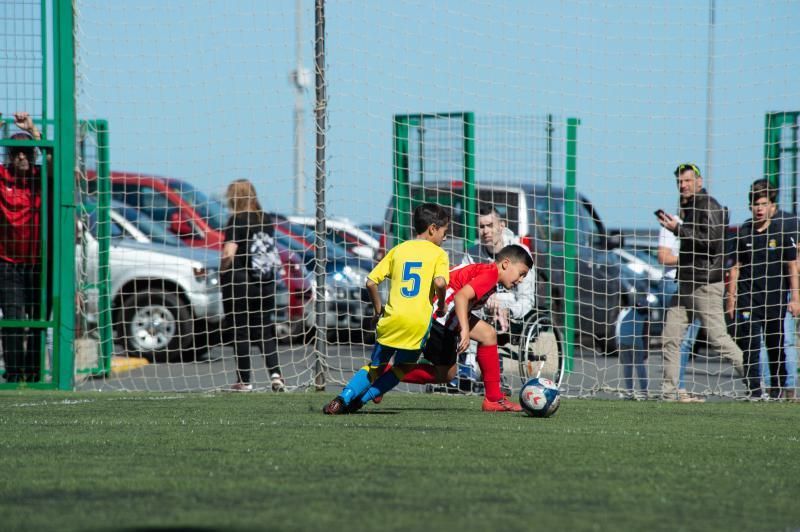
pixel 463 302
pixel 441 276
pixel 376 277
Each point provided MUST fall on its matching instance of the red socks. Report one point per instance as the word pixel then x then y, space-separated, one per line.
pixel 421 374
pixel 489 362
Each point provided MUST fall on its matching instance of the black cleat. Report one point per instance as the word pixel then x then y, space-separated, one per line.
pixel 336 407
pixel 354 406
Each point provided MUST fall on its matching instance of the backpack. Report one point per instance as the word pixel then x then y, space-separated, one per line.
pixel 264 257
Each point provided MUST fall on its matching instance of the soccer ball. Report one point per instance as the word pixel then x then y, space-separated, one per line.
pixel 539 397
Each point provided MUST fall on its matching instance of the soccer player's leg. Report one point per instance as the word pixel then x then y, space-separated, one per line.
pixel 404 360
pixel 440 350
pixel 348 400
pixel 488 359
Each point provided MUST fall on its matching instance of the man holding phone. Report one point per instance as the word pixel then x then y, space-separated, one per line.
pixel 700 227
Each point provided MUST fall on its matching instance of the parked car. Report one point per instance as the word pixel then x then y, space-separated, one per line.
pixel 349 307
pixel 159 294
pixel 345 233
pixel 198 221
pixel 603 287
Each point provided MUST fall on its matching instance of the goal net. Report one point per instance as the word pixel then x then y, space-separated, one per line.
pixel 569 120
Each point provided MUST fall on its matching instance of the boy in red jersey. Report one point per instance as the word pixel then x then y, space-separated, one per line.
pixel 469 287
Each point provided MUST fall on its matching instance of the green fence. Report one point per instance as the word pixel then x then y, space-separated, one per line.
pixel 46 79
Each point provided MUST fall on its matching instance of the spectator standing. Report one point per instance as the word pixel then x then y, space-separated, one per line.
pixel 700 226
pixel 249 266
pixel 764 273
pixel 507 308
pixel 668 249
pixel 791 330
pixel 20 254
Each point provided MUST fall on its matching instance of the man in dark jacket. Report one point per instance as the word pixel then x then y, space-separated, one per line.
pixel 701 229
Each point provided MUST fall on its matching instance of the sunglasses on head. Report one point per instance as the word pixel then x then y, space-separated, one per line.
pixel 687 166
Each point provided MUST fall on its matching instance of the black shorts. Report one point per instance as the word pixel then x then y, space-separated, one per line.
pixel 441 347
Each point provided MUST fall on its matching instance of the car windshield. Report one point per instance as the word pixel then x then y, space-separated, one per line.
pixel 155 231
pixel 211 210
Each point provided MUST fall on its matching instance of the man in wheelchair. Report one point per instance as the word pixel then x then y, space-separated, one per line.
pixel 508 309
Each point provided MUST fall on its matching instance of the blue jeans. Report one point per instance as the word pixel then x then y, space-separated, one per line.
pixel 790 349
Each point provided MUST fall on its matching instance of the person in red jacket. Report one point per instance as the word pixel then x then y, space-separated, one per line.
pixel 20 254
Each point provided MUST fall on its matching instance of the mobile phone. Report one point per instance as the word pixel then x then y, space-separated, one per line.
pixel 659 212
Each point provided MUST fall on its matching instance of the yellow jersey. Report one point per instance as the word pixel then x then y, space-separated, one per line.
pixel 411 266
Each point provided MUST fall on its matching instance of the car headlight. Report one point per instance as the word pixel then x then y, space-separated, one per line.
pixel 209 276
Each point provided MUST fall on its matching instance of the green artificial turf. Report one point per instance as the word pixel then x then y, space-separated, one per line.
pixel 98 461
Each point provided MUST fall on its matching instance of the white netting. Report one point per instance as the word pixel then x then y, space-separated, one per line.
pixel 422 99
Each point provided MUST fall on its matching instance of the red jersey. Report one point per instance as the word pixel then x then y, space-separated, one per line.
pixel 20 208
pixel 483 280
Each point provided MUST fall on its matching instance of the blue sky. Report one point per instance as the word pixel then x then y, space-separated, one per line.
pixel 199 90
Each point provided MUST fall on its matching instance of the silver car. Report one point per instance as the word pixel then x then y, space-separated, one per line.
pixel 157 292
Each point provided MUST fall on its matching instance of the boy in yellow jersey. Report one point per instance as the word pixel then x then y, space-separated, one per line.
pixel 419 271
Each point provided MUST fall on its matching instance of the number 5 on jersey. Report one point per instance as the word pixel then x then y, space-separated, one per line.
pixel 409 275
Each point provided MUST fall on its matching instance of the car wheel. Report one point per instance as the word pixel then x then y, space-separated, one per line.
pixel 156 325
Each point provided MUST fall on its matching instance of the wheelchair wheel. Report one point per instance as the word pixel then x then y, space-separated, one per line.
pixel 541 350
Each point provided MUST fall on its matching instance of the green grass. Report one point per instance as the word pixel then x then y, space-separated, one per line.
pixel 261 461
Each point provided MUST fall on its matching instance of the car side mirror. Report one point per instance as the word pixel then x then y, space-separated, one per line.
pixel 612 240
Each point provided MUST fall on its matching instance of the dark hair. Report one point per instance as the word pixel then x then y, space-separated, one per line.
pixel 486 209
pixel 687 166
pixel 429 214
pixel 30 152
pixel 762 188
pixel 515 253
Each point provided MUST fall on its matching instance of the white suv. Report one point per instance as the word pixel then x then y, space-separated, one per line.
pixel 157 292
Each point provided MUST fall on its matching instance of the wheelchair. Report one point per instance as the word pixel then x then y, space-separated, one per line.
pixel 532 347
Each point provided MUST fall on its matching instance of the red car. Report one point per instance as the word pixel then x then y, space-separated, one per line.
pixel 199 221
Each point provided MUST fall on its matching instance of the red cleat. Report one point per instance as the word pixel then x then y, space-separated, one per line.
pixel 378 399
pixel 503 405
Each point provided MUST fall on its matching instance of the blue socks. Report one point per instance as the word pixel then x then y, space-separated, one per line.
pixel 357 386
pixel 385 382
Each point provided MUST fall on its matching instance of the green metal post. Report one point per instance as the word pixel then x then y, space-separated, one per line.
pixel 402 188
pixel 45 64
pixel 470 199
pixel 64 202
pixel 570 241
pixel 104 243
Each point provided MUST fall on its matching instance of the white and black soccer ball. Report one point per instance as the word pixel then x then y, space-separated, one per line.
pixel 539 397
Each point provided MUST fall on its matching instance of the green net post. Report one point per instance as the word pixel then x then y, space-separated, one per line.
pixel 104 243
pixel 570 241
pixel 401 192
pixel 64 201
pixel 470 199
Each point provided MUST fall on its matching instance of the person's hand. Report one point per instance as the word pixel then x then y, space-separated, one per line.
pixel 463 341
pixel 376 318
pixel 24 121
pixel 668 222
pixel 441 310
pixel 794 308
pixel 503 321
